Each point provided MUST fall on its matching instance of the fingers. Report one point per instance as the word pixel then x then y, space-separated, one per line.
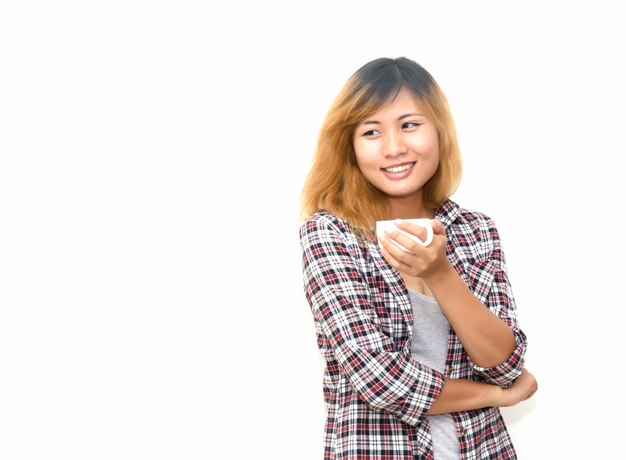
pixel 402 247
pixel 438 228
pixel 412 257
pixel 396 257
pixel 530 383
pixel 530 393
pixel 416 230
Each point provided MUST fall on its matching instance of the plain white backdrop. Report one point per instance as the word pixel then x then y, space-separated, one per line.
pixel 151 158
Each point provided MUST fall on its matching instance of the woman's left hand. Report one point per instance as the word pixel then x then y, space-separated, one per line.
pixel 420 261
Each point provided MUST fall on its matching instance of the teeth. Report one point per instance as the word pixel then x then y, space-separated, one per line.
pixel 397 169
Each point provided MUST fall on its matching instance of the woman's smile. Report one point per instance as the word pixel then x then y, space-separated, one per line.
pixel 395 172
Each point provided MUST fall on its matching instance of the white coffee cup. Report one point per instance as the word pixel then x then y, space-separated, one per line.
pixel 382 225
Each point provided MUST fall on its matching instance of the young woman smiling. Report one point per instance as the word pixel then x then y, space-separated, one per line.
pixel 421 347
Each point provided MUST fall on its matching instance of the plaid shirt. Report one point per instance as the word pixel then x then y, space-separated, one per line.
pixel 377 396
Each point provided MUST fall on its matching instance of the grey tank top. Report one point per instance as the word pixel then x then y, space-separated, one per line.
pixel 429 345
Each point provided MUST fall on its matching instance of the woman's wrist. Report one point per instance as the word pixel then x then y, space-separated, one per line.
pixel 495 396
pixel 440 276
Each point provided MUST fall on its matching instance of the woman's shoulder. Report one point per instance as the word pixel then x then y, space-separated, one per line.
pixel 472 232
pixel 325 233
pixel 324 221
pixel 475 218
pixel 453 215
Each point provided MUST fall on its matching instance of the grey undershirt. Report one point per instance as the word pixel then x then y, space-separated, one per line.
pixel 429 346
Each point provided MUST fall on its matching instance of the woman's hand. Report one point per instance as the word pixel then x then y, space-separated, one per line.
pixel 522 389
pixel 421 261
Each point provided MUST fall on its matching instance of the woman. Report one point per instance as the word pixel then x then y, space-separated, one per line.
pixel 421 347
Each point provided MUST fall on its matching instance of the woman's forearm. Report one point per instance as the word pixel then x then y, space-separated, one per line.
pixel 458 395
pixel 485 337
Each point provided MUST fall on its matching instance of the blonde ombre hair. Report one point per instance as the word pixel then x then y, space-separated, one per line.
pixel 335 183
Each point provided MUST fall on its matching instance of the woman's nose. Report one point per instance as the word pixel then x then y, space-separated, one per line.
pixel 393 144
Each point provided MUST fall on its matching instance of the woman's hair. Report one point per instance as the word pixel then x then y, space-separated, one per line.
pixel 335 183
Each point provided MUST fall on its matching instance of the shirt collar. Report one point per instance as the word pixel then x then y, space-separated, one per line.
pixel 447 212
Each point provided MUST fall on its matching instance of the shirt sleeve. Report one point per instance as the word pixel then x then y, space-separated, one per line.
pixel 491 284
pixel 385 377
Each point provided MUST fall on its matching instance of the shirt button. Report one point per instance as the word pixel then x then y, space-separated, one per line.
pixel 462 431
pixel 449 369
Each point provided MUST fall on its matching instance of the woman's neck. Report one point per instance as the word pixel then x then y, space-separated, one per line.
pixel 409 209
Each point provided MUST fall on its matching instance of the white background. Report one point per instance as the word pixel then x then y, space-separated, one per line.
pixel 151 157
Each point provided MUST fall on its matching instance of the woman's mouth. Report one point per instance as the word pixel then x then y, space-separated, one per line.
pixel 399 168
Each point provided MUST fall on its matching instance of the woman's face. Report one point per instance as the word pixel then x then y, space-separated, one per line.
pixel 397 148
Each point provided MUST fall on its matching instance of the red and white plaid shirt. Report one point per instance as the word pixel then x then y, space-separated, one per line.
pixel 377 396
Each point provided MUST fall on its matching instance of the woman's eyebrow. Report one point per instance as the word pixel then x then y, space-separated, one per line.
pixel 410 115
pixel 402 117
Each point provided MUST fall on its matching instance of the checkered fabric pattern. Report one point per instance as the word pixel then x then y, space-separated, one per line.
pixel 376 395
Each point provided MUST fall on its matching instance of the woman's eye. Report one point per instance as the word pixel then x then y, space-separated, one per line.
pixel 371 132
pixel 410 124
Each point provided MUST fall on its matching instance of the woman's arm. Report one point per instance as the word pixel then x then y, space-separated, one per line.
pixel 460 395
pixel 384 376
pixel 488 340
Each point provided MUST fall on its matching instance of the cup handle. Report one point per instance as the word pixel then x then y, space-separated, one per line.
pixel 429 235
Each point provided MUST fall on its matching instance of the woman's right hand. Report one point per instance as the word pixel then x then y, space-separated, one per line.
pixel 522 389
